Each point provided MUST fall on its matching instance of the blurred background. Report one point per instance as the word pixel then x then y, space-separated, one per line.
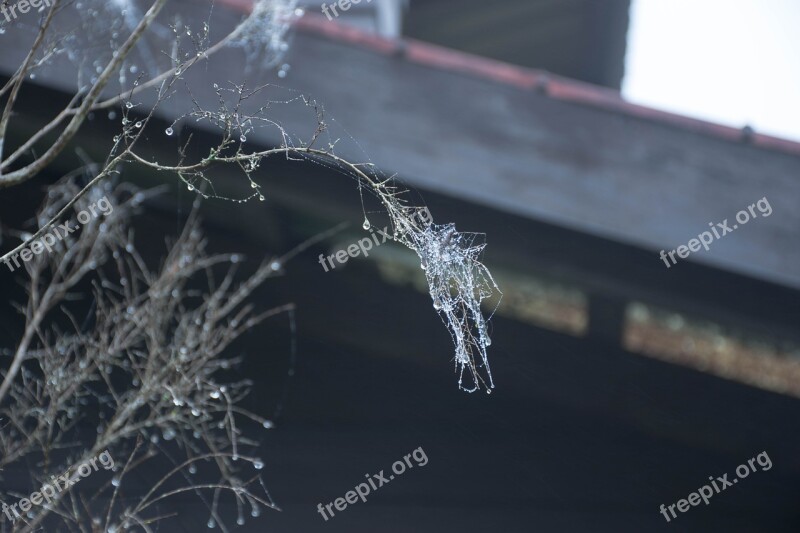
pixel 583 137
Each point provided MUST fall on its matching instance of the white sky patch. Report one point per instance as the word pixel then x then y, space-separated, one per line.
pixel 733 62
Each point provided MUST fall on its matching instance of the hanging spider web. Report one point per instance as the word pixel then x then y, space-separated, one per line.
pixel 458 282
pixel 263 34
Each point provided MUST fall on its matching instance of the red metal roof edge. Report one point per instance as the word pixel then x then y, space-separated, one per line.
pixel 554 86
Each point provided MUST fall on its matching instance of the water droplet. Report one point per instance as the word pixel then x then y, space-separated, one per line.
pixel 240 520
pixel 235 457
pixel 211 524
pixel 437 305
pixel 134 69
pixel 267 424
pixel 214 394
pixel 195 412
pixel 112 115
pixel 190 187
pixel 169 434
pixel 216 86
pixel 243 138
pixel 257 464
pixel 115 481
pixel 488 391
pixel 169 131
pixel 281 73
pixel 275 265
pixel 192 469
pixel 261 197
pixel 253 184
pixel 138 124
pixel 366 225
pixel 128 105
pixel 255 512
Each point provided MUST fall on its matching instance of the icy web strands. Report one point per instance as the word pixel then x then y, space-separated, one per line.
pixel 458 282
pixel 263 34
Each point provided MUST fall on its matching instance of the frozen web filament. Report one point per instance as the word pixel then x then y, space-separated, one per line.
pixel 458 282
